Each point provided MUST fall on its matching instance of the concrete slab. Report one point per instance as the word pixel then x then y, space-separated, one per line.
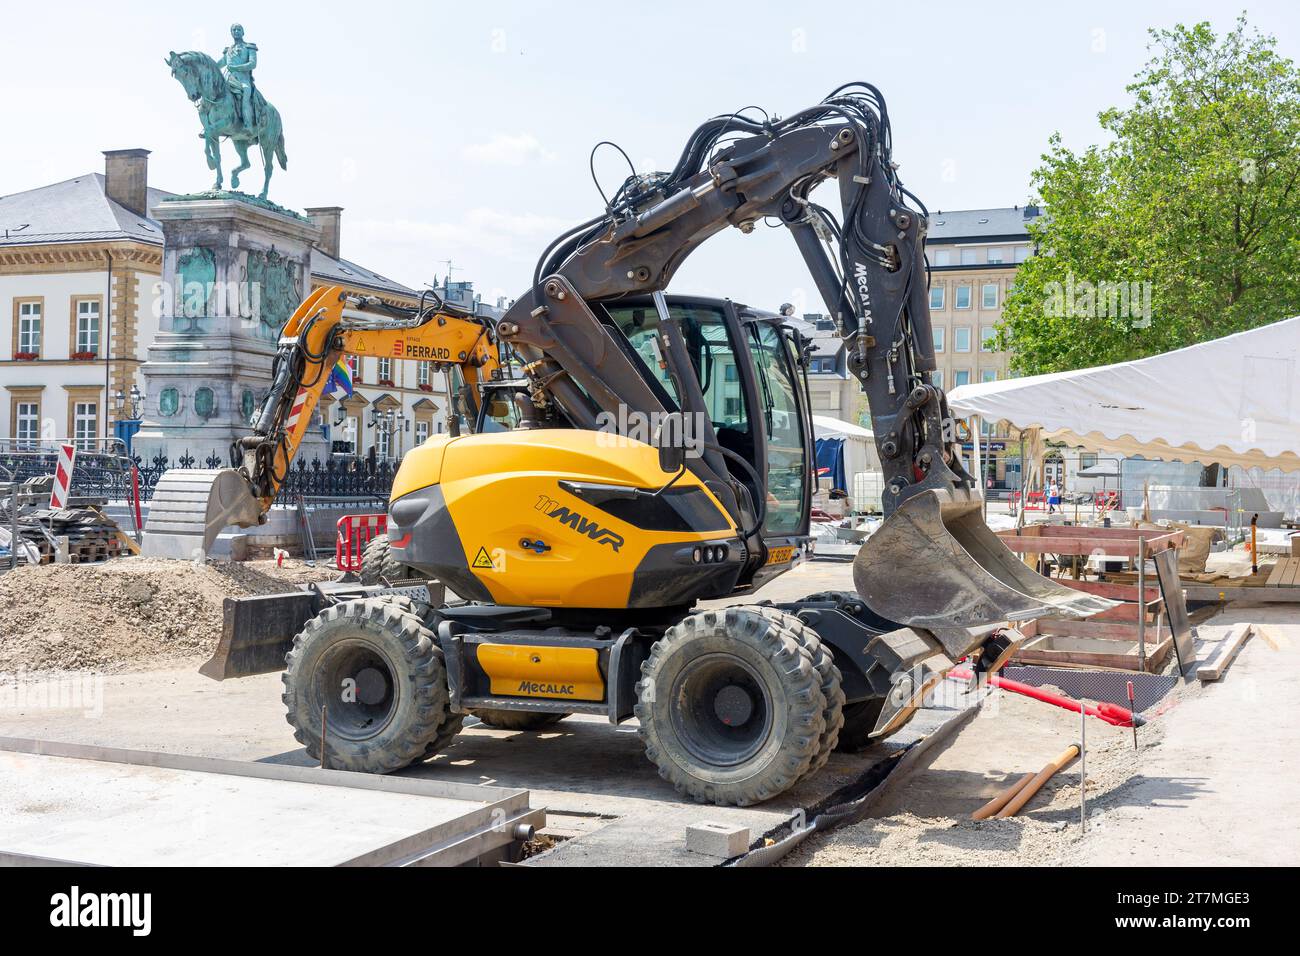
pixel 117 814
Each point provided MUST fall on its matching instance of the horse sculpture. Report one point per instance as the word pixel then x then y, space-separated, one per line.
pixel 218 110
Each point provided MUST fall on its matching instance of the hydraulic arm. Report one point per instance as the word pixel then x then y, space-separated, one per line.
pixel 327 325
pixel 869 266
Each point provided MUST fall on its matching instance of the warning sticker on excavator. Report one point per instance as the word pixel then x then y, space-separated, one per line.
pixel 483 560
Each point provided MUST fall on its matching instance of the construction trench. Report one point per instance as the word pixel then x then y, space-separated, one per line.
pixel 100 689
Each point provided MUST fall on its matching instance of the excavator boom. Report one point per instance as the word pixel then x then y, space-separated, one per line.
pixel 191 507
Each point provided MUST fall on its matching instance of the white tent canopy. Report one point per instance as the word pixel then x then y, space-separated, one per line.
pixel 859 444
pixel 1234 400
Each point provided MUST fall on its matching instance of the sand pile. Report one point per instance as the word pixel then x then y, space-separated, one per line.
pixel 124 613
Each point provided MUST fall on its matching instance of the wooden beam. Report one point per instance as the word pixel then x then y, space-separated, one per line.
pixel 1222 656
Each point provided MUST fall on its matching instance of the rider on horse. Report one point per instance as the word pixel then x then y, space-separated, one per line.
pixel 238 62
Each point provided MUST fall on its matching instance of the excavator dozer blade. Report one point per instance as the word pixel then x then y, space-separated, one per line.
pixel 190 507
pixel 934 563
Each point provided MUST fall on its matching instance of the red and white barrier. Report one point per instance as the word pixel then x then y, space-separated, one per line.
pixel 59 494
pixel 354 533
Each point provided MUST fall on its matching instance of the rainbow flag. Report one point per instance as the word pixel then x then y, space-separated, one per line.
pixel 339 385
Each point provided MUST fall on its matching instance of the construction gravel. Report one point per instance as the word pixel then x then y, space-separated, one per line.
pixel 126 614
pixel 925 820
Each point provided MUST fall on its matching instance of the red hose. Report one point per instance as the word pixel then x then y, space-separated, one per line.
pixel 1111 713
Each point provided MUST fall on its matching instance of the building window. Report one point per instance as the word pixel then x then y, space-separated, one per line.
pixel 88 326
pixel 27 427
pixel 989 295
pixel 960 377
pixel 987 428
pixel 730 375
pixel 943 257
pixel 1087 459
pixel 961 338
pixel 938 339
pixel 988 375
pixel 995 257
pixel 731 408
pixel 385 370
pixel 424 374
pixel 421 432
pixel 1022 253
pixel 383 441
pixel 936 378
pixel 936 298
pixel 963 297
pixel 85 425
pixel 968 257
pixel 354 366
pixel 988 339
pixel 29 328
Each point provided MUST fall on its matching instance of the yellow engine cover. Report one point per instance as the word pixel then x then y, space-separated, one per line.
pixel 565 673
pixel 502 489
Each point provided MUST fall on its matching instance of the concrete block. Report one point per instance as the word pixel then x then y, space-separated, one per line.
pixel 717 839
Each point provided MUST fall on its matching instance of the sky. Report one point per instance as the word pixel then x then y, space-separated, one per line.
pixel 459 133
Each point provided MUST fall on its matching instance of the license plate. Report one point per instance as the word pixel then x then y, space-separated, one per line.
pixel 780 555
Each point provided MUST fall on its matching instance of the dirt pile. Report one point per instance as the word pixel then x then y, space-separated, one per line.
pixel 125 613
pixel 925 819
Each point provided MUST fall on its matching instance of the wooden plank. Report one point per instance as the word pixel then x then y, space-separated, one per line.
pixel 1095 629
pixel 1071 545
pixel 1275 576
pixel 1040 654
pixel 1107 589
pixel 1122 612
pixel 1291 578
pixel 1219 660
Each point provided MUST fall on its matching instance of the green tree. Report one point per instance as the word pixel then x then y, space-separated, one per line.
pixel 1196 198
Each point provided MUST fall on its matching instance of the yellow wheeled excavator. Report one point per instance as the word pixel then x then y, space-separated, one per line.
pixel 659 462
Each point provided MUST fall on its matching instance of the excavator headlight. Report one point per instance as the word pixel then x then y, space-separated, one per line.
pixel 697 555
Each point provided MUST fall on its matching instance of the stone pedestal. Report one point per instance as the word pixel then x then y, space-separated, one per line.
pixel 233 273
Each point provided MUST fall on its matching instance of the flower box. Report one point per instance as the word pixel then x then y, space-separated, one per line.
pixel 386 383
pixel 84 356
pixel 426 387
pixel 26 356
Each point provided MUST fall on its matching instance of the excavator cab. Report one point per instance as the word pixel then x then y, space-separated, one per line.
pixel 738 379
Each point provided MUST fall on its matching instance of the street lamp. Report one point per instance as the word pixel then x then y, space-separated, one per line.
pixel 136 396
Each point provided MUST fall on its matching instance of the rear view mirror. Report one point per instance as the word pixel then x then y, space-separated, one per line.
pixel 670 439
pixel 672 459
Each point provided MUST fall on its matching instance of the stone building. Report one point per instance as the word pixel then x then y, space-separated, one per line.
pixel 80 263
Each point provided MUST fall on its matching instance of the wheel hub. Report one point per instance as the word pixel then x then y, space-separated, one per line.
pixel 358 688
pixel 733 705
pixel 722 709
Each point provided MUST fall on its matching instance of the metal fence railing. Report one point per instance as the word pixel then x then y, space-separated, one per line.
pixel 105 471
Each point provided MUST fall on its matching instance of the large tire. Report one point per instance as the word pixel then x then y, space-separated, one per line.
pixel 517 719
pixel 395 709
pixel 731 706
pixel 829 677
pixel 378 566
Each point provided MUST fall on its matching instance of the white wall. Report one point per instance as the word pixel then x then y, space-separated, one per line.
pixel 55 370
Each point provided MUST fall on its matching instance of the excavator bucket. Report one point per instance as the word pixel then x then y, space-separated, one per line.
pixel 934 563
pixel 190 507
